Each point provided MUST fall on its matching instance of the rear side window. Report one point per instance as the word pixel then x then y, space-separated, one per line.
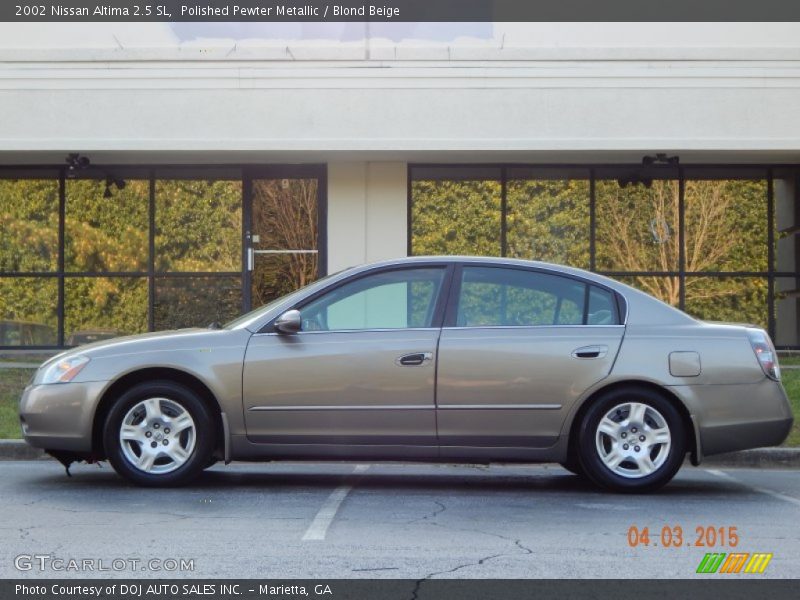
pixel 602 307
pixel 492 297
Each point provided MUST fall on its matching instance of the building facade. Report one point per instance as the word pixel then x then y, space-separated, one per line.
pixel 229 164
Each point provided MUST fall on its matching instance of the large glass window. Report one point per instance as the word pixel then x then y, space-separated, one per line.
pixel 106 232
pixel 198 225
pixel 717 242
pixel 98 308
pixel 28 311
pixel 28 225
pixel 390 300
pixel 198 229
pixel 547 216
pixel 666 288
pixel 726 225
pixel 196 301
pixel 637 226
pixel 734 299
pixel 456 212
pixel 123 250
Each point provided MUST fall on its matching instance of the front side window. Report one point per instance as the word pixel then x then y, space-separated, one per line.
pixel 498 297
pixel 399 299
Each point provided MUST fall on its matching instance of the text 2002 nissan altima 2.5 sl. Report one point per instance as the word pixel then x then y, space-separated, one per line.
pixel 450 359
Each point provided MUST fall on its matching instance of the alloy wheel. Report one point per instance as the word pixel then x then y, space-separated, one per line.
pixel 633 440
pixel 157 435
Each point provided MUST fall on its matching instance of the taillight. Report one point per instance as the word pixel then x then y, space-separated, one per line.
pixel 765 353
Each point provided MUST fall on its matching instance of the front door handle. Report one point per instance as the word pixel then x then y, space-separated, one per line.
pixel 414 359
pixel 590 352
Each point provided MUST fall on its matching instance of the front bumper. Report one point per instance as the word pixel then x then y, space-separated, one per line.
pixel 60 416
pixel 737 417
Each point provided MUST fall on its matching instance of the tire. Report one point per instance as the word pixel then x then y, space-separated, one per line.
pixel 159 434
pixel 573 466
pixel 626 452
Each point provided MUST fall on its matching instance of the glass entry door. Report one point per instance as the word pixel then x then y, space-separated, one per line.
pixel 283 237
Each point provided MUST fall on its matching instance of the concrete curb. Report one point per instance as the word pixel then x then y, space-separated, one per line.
pixel 19 365
pixel 19 450
pixel 762 458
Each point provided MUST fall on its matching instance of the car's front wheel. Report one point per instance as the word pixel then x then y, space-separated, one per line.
pixel 631 440
pixel 573 466
pixel 159 433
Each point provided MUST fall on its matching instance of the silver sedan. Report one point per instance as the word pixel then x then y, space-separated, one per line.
pixel 422 359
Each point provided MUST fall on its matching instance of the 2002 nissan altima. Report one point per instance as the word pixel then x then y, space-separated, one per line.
pixel 453 359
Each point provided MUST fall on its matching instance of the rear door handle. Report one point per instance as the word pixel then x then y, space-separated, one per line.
pixel 590 352
pixel 414 359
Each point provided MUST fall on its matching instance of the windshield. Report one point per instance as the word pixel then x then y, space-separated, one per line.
pixel 262 310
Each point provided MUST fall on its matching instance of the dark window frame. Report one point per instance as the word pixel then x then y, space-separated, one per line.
pixel 244 173
pixel 605 171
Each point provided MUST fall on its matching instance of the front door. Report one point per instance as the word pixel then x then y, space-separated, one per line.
pixel 360 372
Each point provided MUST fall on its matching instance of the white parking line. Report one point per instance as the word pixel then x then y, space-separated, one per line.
pixel 718 473
pixel 319 526
pixel 777 495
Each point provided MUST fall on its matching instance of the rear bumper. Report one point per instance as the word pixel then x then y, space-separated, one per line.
pixel 60 416
pixel 737 417
pixel 729 438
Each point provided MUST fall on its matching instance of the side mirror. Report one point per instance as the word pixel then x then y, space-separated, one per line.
pixel 289 322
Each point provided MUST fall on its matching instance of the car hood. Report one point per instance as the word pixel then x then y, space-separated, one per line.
pixel 141 342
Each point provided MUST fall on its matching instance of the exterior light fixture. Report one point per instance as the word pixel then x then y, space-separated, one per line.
pixel 119 183
pixel 624 182
pixel 76 163
pixel 660 158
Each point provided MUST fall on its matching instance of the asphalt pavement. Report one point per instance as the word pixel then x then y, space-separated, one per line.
pixel 348 520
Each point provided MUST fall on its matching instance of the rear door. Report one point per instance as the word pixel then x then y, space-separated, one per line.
pixel 519 347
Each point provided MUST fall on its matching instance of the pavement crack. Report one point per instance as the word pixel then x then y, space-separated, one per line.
pixel 516 541
pixel 521 546
pixel 441 508
pixel 418 583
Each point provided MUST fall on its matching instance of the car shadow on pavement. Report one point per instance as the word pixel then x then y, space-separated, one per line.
pixel 462 479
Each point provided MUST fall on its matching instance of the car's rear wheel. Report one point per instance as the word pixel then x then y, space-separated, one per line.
pixel 631 440
pixel 159 434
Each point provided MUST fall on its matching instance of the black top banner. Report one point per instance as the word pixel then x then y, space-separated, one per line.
pixel 402 10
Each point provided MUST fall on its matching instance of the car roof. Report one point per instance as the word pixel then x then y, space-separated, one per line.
pixel 493 261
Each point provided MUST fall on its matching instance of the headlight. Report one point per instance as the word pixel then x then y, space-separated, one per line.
pixel 65 369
